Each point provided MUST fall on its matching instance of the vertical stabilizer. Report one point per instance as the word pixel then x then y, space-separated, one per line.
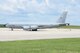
pixel 62 18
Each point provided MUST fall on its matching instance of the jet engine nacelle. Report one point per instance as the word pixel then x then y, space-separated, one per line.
pixel 30 28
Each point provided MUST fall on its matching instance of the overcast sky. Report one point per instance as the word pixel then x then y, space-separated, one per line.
pixel 39 11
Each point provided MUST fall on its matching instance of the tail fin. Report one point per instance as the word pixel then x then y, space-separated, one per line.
pixel 62 19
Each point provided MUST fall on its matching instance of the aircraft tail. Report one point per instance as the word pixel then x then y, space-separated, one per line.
pixel 62 18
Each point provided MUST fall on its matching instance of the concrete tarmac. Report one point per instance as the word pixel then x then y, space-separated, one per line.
pixel 19 34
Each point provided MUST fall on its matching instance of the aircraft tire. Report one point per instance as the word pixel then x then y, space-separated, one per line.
pixel 34 29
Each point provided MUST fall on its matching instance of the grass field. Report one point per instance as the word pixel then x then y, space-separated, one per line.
pixel 72 27
pixel 41 46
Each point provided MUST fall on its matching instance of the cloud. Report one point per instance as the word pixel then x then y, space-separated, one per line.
pixel 25 5
pixel 38 6
pixel 33 6
pixel 42 7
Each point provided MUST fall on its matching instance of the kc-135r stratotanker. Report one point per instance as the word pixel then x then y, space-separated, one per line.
pixel 34 27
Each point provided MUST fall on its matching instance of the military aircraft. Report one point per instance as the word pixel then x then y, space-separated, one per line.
pixel 34 27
